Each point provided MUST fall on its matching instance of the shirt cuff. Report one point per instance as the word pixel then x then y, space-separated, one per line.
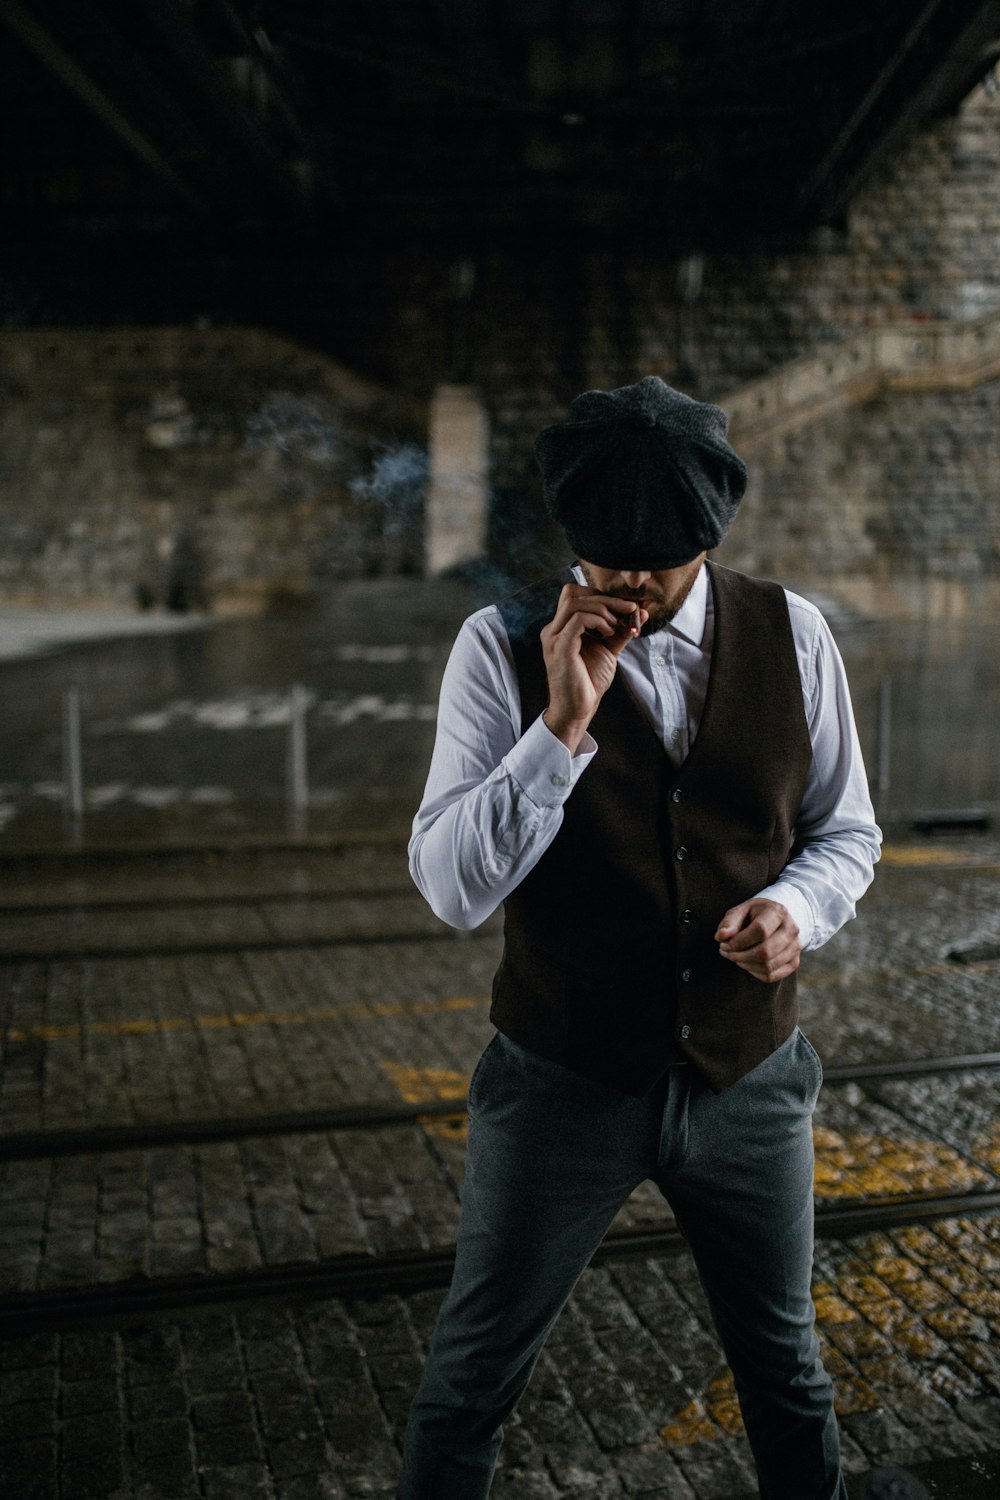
pixel 543 767
pixel 797 904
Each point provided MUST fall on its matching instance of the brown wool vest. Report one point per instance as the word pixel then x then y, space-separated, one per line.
pixel 610 965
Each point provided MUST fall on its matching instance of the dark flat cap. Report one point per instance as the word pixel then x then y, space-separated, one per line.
pixel 641 477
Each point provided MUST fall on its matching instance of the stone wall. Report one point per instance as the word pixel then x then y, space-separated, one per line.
pixel 885 500
pixel 902 486
pixel 225 469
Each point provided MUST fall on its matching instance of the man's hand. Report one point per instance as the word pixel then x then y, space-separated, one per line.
pixel 760 937
pixel 581 645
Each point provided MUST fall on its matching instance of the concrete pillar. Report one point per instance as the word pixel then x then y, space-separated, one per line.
pixel 458 486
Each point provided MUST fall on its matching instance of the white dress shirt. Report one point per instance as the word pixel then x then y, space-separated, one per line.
pixel 495 792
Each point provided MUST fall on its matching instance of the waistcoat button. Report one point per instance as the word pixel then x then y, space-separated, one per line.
pixel 686 976
pixel 685 1032
pixel 687 916
pixel 680 853
pixel 677 795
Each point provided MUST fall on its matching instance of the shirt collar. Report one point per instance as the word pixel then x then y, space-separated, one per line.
pixel 692 617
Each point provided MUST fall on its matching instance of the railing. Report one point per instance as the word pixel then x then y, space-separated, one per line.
pixel 898 357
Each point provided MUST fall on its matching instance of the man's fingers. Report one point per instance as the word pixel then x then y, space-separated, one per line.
pixel 760 937
pixel 769 969
pixel 575 600
pixel 732 921
pixel 758 931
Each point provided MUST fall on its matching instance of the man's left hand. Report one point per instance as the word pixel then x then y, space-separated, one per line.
pixel 760 937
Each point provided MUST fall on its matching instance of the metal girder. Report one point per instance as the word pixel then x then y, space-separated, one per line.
pixel 185 120
pixel 932 69
pixel 171 23
pixel 78 81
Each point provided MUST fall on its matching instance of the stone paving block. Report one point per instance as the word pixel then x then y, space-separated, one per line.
pixel 19 1269
pixel 29 1470
pixel 270 1338
pixel 156 1436
pixel 293 1416
pixel 224 1447
pixel 26 1419
pixel 94 1472
pixel 717 1473
pixel 372 1471
pixel 152 1354
pixel 232 1408
pixel 34 1383
pixel 294 1456
pixel 883 1438
pixel 321 1486
pixel 82 1397
pixel 647 1467
pixel 150 1403
pixel 28 1352
pixel 241 1481
pixel 209 1371
pixel 167 1475
pixel 523 1484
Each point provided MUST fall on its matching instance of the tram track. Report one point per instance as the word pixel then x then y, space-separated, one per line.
pixel 406 1273
pixel 37 1145
pixel 237 944
pixel 362 1275
pixel 67 906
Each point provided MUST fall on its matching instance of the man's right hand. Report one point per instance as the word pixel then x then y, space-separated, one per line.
pixel 581 645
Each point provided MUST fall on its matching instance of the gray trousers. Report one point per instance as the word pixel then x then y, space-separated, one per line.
pixel 551 1159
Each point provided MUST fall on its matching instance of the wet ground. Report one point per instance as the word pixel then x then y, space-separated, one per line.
pixel 231 1137
pixel 185 735
pixel 224 1230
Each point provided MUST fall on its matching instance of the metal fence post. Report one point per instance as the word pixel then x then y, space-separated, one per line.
pixel 883 742
pixel 72 760
pixel 297 780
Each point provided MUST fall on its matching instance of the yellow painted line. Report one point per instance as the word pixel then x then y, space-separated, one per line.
pixel 416 1085
pixel 889 1313
pixel 928 856
pixel 151 1026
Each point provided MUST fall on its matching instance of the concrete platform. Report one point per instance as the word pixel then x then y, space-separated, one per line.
pixel 164 989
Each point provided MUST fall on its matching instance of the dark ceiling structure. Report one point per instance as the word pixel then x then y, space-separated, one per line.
pixel 698 123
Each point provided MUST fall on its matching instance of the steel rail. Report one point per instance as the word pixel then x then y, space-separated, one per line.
pixel 243 898
pixel 239 945
pixel 911 1067
pixel 25 1145
pixel 408 1272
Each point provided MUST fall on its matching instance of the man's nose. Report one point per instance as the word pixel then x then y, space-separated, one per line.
pixel 635 580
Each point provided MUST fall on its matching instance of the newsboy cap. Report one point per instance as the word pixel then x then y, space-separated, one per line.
pixel 641 477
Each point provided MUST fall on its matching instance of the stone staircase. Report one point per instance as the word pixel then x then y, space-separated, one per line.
pixel 898 357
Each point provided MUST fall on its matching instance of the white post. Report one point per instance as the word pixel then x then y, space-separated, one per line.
pixel 297 781
pixel 72 758
pixel 883 742
pixel 458 487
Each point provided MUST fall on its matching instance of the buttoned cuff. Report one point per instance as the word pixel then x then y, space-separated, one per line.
pixel 543 767
pixel 797 904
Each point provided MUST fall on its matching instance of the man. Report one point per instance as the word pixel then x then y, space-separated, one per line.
pixel 653 764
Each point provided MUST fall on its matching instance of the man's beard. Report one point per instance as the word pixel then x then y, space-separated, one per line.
pixel 661 610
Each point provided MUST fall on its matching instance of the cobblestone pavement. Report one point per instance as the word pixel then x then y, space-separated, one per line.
pixel 185 987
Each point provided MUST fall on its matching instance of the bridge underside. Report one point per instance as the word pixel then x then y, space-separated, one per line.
pixel 694 125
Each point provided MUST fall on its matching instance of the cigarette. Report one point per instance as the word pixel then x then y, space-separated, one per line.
pixel 630 622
